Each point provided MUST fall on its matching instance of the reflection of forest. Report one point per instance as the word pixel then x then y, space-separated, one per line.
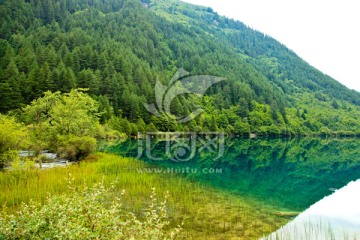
pixel 289 174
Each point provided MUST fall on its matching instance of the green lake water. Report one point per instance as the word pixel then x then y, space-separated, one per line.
pixel 285 175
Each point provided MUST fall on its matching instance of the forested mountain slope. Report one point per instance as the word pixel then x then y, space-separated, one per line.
pixel 118 48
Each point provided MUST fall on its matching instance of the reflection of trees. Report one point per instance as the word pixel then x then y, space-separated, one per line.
pixel 287 173
pixel 294 173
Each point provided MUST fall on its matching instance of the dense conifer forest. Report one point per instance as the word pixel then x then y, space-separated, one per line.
pixel 118 48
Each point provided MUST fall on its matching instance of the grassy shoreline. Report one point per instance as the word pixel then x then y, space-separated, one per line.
pixel 207 213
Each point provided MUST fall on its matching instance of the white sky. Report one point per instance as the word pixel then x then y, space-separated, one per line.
pixel 325 33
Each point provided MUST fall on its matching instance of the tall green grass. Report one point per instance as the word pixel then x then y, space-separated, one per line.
pixel 312 229
pixel 207 213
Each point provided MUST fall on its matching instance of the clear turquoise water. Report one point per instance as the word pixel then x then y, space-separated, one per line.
pixel 285 174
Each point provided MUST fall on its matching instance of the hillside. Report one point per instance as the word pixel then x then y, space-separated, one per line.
pixel 118 48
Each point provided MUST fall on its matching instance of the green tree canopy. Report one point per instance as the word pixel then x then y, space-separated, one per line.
pixel 13 136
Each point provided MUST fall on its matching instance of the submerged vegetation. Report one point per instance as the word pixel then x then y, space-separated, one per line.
pixel 256 192
pixel 288 174
pixel 204 211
